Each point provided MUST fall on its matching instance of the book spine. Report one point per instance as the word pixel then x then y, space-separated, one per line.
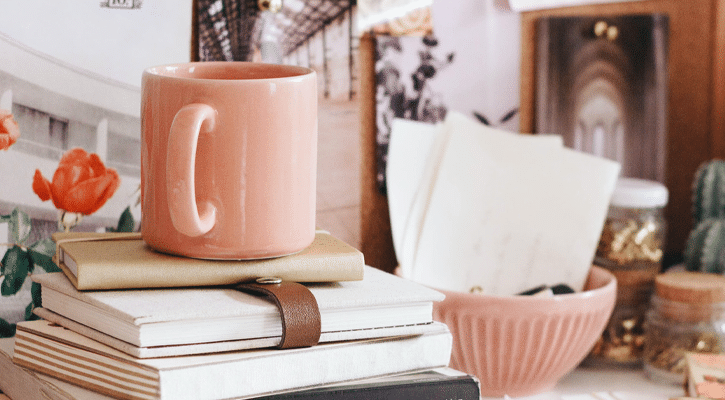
pixel 460 388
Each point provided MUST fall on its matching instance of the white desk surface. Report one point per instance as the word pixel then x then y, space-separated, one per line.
pixel 619 384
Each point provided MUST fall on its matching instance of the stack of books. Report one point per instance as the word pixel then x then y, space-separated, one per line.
pixel 123 321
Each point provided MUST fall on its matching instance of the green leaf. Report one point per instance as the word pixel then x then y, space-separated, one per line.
pixel 126 222
pixel 36 301
pixel 5 218
pixel 19 226
pixel 6 329
pixel 41 254
pixel 43 261
pixel 29 316
pixel 35 294
pixel 44 246
pixel 16 264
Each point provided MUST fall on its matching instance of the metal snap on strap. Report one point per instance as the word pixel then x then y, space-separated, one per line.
pixel 298 309
pixel 269 280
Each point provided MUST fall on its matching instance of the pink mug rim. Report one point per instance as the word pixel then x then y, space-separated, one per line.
pixel 281 72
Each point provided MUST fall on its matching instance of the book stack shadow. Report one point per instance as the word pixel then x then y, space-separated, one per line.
pixel 123 321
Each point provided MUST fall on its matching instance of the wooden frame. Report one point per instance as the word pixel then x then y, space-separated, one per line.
pixel 696 93
pixel 696 121
pixel 376 240
pixel 718 79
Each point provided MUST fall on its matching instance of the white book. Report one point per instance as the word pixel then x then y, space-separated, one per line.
pixel 50 349
pixel 23 384
pixel 377 306
pixel 216 347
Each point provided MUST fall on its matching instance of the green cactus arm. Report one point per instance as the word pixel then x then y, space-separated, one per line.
pixel 708 191
pixel 705 249
pixel 714 248
pixel 695 244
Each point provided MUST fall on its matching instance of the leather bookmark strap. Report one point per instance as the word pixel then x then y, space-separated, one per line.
pixel 297 305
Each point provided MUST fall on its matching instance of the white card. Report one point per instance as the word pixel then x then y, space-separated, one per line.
pixel 408 151
pixel 508 212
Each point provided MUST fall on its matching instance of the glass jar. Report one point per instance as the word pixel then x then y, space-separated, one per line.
pixel 687 314
pixel 631 248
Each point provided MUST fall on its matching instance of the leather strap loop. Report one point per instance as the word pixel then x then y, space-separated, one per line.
pixel 298 308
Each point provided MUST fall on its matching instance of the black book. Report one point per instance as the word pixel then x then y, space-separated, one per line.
pixel 436 384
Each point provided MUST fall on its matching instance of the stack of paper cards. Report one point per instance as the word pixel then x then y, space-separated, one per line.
pixel 472 206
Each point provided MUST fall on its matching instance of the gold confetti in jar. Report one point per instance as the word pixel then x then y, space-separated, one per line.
pixel 631 248
pixel 687 314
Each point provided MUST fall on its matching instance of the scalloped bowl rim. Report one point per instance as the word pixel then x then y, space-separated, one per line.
pixel 601 283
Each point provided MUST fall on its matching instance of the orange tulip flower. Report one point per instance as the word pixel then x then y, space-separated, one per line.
pixel 9 131
pixel 81 184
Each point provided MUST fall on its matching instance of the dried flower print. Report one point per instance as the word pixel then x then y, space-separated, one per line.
pixel 81 184
pixel 9 130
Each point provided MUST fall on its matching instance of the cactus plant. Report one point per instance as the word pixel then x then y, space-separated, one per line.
pixel 705 249
pixel 708 192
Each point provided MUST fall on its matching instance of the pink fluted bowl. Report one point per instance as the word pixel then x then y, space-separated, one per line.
pixel 522 345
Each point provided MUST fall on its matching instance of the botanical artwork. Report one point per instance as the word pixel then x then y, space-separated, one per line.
pixel 470 64
pixel 70 126
pixel 67 164
pixel 403 87
pixel 9 130
pixel 80 186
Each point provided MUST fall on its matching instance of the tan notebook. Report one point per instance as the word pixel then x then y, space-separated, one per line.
pixel 103 261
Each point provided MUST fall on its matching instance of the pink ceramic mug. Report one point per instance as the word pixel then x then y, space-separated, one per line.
pixel 228 159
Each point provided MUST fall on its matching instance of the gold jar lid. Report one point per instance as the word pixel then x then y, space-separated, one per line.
pixel 691 287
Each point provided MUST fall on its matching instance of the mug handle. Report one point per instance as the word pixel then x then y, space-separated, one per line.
pixel 186 217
